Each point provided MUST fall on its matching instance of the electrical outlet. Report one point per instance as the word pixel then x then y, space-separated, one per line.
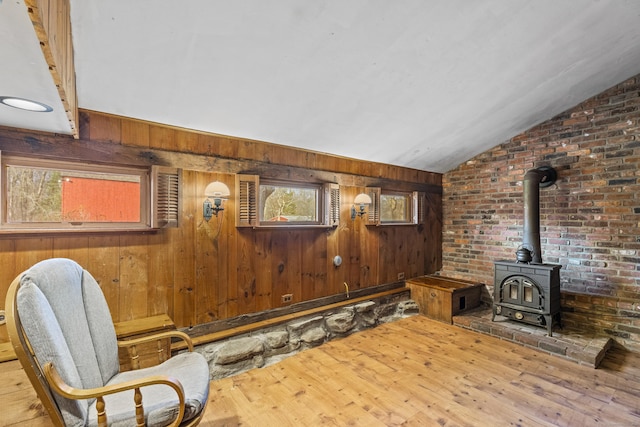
pixel 287 298
pixel 401 276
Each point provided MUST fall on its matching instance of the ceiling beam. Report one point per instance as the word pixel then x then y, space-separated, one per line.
pixel 51 20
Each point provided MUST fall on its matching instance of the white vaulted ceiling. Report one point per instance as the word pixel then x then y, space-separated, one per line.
pixel 425 84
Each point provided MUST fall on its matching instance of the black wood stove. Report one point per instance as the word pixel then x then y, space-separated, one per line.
pixel 526 290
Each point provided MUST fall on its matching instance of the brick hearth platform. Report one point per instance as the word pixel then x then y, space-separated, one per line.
pixel 580 347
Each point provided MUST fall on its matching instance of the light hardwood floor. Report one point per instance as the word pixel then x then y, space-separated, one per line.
pixel 413 372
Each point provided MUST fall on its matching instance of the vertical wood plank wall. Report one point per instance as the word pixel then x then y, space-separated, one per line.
pixel 205 271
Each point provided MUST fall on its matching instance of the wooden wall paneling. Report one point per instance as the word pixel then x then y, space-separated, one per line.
pixel 186 141
pixel 283 155
pixel 265 264
pixel 134 277
pixel 336 276
pixel 21 143
pixel 228 260
pixel 7 274
pixel 102 127
pixel 433 233
pixel 135 133
pixel 104 266
pixel 414 248
pixel 403 237
pixel 250 150
pixel 418 248
pixel 206 144
pixel 309 270
pixel 246 261
pixel 322 263
pixel 243 149
pixel 31 250
pixel 407 239
pixel 227 147
pixel 352 239
pixel 355 239
pixel 184 254
pixel 208 276
pixel 162 137
pixel 430 250
pixel 283 245
pixel 296 241
pixel 314 265
pixel 161 272
pixel 386 255
pixel 339 163
pixel 72 247
pixel 246 268
pixel 369 256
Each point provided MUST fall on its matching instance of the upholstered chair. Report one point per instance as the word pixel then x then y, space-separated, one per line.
pixel 61 329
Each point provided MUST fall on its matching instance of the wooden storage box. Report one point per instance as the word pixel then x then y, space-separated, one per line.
pixel 441 298
pixel 151 353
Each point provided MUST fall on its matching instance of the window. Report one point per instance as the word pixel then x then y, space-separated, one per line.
pixel 272 203
pixel 284 202
pixel 395 207
pixel 59 195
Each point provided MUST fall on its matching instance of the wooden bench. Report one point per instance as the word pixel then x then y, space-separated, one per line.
pixel 148 354
pixel 441 298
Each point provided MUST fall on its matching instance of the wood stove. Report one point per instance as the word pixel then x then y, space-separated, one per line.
pixel 526 290
pixel 527 293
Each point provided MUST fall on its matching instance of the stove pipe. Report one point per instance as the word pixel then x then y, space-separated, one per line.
pixel 534 179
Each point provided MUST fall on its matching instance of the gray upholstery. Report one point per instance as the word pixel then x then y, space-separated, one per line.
pixel 160 402
pixel 67 320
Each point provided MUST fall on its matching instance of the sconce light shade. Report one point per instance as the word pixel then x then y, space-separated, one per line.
pixel 362 200
pixel 219 192
pixel 217 189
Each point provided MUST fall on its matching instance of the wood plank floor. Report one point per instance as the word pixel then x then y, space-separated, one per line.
pixel 412 372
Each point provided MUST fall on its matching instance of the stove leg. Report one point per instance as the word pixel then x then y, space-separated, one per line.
pixel 549 320
pixel 559 320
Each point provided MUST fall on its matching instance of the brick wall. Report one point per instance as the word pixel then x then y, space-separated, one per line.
pixel 590 219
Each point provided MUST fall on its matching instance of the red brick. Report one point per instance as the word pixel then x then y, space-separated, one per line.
pixel 585 221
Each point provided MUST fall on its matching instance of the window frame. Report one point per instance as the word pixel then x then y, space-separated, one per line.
pixel 146 197
pixel 408 217
pixel 319 203
pixel 249 204
pixel 415 207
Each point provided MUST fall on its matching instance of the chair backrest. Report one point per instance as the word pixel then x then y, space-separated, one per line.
pixel 57 309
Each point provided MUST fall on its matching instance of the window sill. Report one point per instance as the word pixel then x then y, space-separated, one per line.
pixel 287 227
pixel 16 232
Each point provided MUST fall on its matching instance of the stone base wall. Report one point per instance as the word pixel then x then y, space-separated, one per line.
pixel 267 346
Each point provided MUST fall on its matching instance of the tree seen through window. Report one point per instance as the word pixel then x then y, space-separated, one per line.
pixel 287 203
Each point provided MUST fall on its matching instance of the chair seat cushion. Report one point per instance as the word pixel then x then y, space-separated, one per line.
pixel 160 402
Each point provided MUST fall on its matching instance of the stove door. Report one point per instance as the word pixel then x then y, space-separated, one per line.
pixel 523 291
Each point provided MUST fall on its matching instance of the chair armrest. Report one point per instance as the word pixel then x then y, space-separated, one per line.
pixel 65 390
pixel 160 335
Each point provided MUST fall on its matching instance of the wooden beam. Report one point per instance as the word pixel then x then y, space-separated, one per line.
pixel 15 142
pixel 51 21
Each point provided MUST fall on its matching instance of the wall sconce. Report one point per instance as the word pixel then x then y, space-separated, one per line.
pixel 361 199
pixel 219 192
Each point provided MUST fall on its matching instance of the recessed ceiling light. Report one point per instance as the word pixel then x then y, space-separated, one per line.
pixel 25 104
